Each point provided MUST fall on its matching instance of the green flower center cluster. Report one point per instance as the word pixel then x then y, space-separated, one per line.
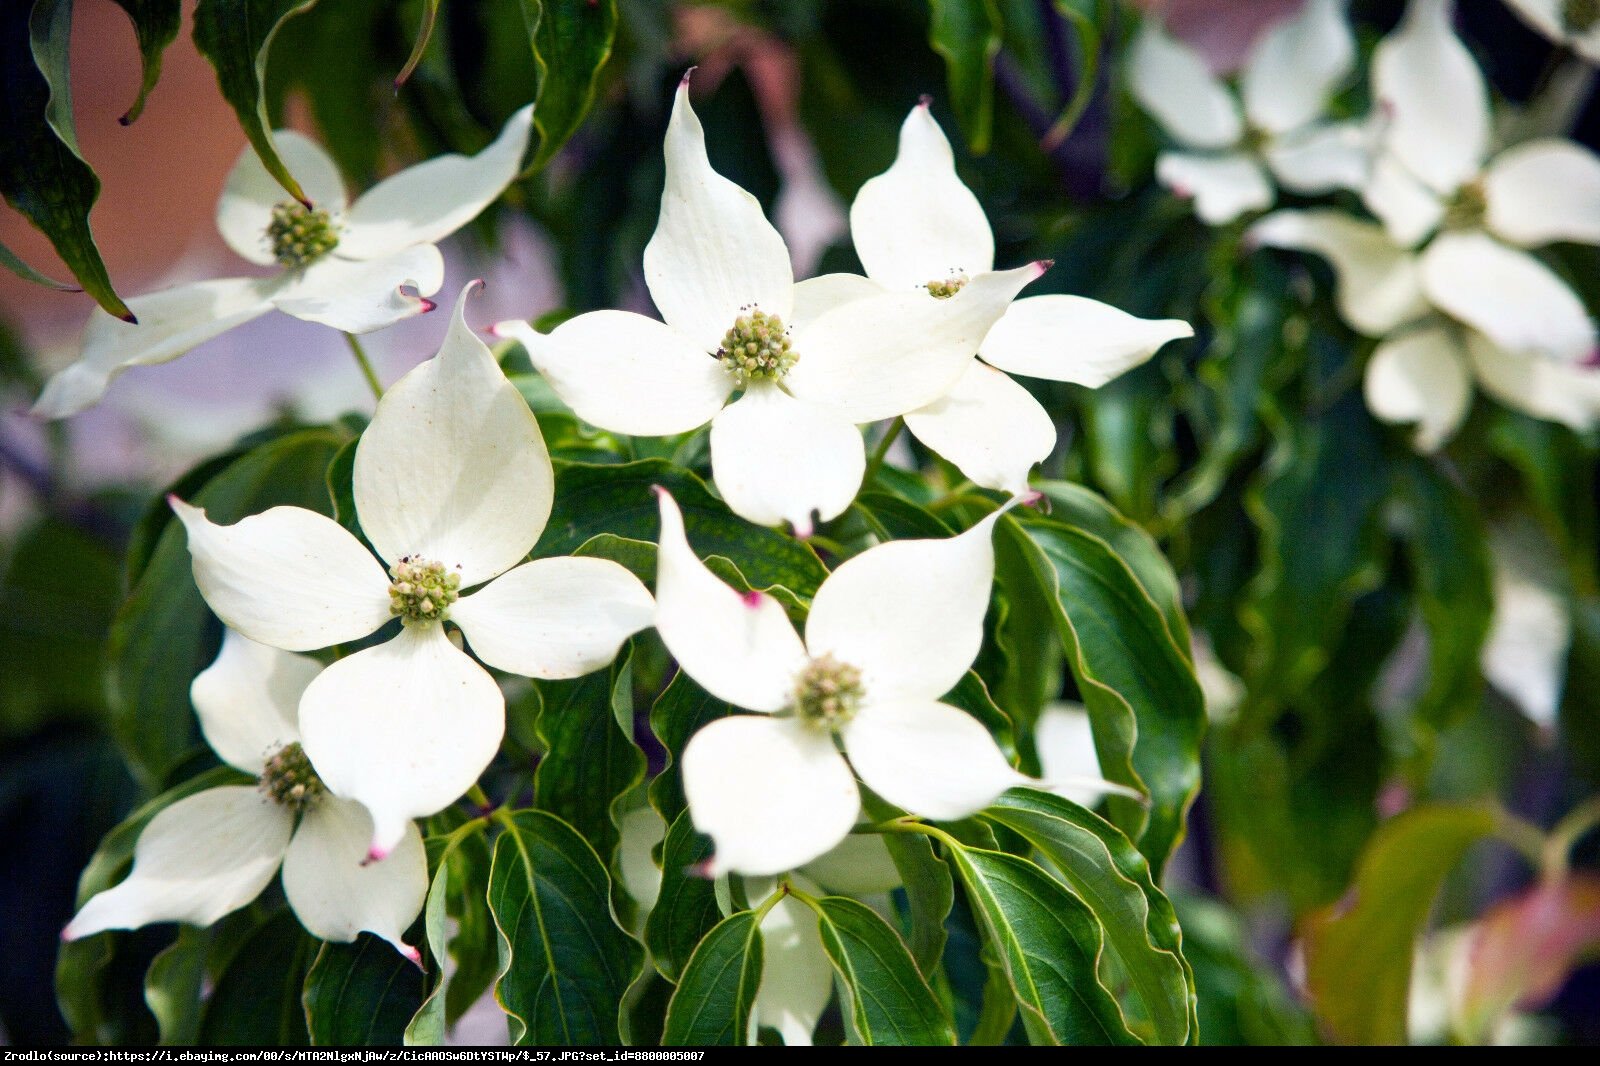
pixel 943 290
pixel 423 590
pixel 1579 16
pixel 827 693
pixel 300 235
pixel 757 348
pixel 1467 208
pixel 290 780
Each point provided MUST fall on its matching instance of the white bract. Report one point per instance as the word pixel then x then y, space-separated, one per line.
pixel 917 227
pixel 209 854
pixel 345 265
pixel 1573 23
pixel 1424 369
pixel 1231 153
pixel 453 487
pixel 1068 763
pixel 788 448
pixel 1434 172
pixel 890 631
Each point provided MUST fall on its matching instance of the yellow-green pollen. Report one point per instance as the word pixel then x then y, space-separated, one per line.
pixel 290 781
pixel 300 235
pixel 1579 16
pixel 422 590
pixel 757 348
pixel 943 290
pixel 1467 208
pixel 827 693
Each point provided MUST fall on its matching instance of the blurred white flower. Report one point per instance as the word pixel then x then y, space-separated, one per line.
pixel 1574 24
pixel 1231 153
pixel 342 266
pixel 788 448
pixel 453 486
pixel 1530 632
pixel 209 854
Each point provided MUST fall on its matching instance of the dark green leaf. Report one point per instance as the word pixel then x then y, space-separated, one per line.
pixel 361 994
pixel 257 998
pixel 686 908
pixel 679 712
pixel 236 36
pixel 174 983
pixel 928 887
pixel 155 25
pixel 12 262
pixel 571 42
pixel 886 999
pixel 967 34
pixel 42 173
pixel 1106 872
pixel 713 1002
pixel 564 962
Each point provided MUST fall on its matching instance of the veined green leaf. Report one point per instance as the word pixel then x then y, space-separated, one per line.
pixel 718 990
pixel 679 712
pixel 930 892
pixel 155 25
pixel 571 42
pixel 686 908
pixel 565 963
pixel 361 994
pixel 174 983
pixel 887 1000
pixel 967 34
pixel 257 998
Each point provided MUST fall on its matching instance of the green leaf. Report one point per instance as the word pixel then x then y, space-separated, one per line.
pixel 429 1025
pixel 155 25
pixel 1358 963
pixel 1134 676
pixel 564 962
pixel 257 998
pixel 236 36
pixel 713 1002
pixel 686 908
pixel 1243 1000
pixel 590 760
pixel 886 999
pixel 679 712
pixel 930 892
pixel 174 983
pixel 966 33
pixel 1048 943
pixel 164 634
pixel 42 173
pixel 593 499
pixel 361 994
pixel 1106 872
pixel 14 263
pixel 571 42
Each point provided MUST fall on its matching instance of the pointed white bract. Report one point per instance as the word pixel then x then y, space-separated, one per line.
pixel 1068 763
pixel 1553 19
pixel 356 268
pixel 921 233
pixel 211 853
pixel 889 632
pixel 1231 148
pixel 453 486
pixel 814 360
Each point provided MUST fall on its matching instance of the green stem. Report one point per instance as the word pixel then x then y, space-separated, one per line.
pixel 881 452
pixel 479 797
pixel 771 901
pixel 911 825
pixel 365 364
pixel 1578 823
pixel 1525 838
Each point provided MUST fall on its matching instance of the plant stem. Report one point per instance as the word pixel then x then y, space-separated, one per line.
pixel 365 364
pixel 1578 823
pixel 881 452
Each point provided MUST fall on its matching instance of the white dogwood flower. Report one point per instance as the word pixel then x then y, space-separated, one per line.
pixel 453 487
pixel 788 447
pixel 345 265
pixel 1435 172
pixel 1424 369
pixel 890 631
pixel 209 854
pixel 917 227
pixel 1231 153
pixel 1573 23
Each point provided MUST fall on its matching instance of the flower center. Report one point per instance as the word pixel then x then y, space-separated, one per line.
pixel 827 693
pixel 423 590
pixel 1467 208
pixel 757 348
pixel 290 780
pixel 300 235
pixel 1579 16
pixel 943 290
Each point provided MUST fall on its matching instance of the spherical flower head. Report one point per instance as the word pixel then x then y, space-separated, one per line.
pixel 756 348
pixel 291 781
pixel 299 235
pixel 423 590
pixel 827 693
pixel 943 290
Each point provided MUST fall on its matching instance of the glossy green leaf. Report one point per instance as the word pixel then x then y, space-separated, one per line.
pixel 1048 943
pixel 174 983
pixel 564 961
pixel 429 1024
pixel 257 998
pixel 42 173
pixel 236 36
pixel 571 42
pixel 718 990
pixel 886 999
pixel 1134 677
pixel 929 889
pixel 361 994
pixel 686 908
pixel 155 25
pixel 1106 872
pixel 1358 962
pixel 164 634
pixel 966 33
pixel 679 712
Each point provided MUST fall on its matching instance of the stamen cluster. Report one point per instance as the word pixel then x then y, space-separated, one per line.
pixel 423 590
pixel 943 290
pixel 757 348
pixel 827 693
pixel 300 235
pixel 290 780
